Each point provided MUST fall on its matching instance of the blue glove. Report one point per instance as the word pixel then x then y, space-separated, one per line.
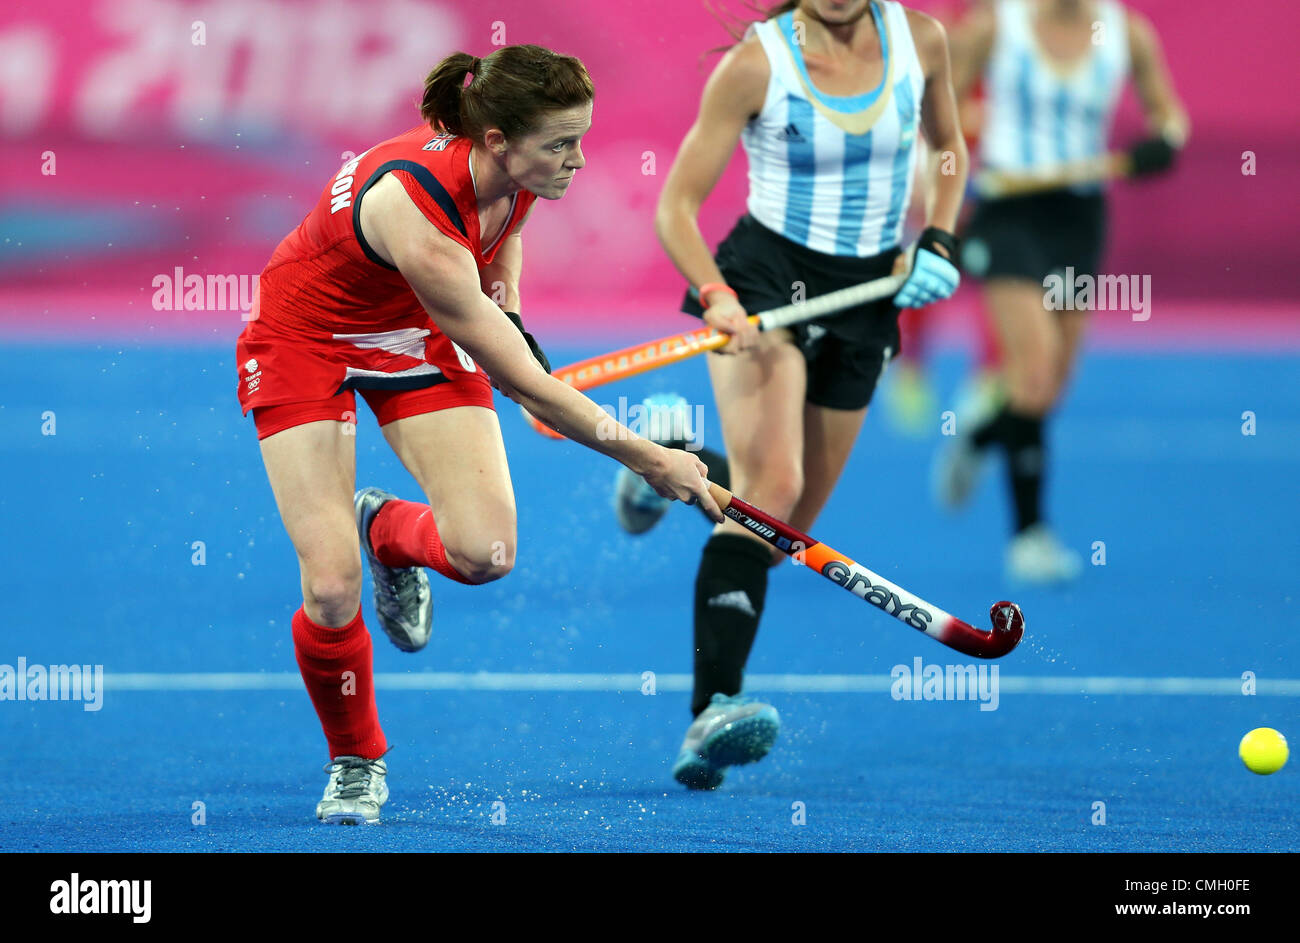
pixel 933 277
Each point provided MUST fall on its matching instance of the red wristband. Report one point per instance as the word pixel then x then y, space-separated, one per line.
pixel 715 286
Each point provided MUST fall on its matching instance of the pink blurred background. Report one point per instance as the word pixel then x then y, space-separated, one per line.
pixel 169 154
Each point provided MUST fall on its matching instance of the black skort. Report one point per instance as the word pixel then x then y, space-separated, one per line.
pixel 847 352
pixel 1035 236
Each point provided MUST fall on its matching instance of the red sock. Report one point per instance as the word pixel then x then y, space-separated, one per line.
pixel 403 534
pixel 337 668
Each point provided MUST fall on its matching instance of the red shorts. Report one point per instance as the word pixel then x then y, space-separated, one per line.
pixel 289 376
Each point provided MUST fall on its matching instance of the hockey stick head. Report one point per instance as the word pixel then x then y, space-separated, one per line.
pixel 1008 628
pixel 1008 624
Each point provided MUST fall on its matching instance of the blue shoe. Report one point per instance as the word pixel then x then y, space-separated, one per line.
pixel 731 731
pixel 638 506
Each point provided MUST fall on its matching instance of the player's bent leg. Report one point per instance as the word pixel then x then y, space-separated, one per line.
pixel 457 457
pixel 403 598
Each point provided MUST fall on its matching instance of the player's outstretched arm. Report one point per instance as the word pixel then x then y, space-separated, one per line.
pixel 949 160
pixel 1165 114
pixel 971 44
pixel 734 92
pixel 934 274
pixel 444 277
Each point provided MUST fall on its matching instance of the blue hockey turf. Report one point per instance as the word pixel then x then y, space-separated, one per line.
pixel 557 743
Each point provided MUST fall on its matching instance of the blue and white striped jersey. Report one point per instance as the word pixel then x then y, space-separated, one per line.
pixel 834 173
pixel 1037 115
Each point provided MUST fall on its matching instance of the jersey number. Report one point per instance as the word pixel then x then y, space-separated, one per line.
pixel 465 360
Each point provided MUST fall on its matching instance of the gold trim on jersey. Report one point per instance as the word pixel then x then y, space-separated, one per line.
pixel 858 122
pixel 1078 69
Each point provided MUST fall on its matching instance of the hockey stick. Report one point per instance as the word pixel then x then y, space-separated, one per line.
pixel 1008 621
pixel 640 358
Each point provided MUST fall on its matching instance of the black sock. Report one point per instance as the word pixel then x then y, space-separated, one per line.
pixel 1021 437
pixel 1023 440
pixel 729 592
pixel 989 431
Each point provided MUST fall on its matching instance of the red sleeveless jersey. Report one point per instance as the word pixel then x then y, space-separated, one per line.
pixel 325 277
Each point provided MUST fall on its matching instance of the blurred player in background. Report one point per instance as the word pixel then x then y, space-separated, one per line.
pixel 1053 71
pixel 384 288
pixel 908 396
pixel 827 97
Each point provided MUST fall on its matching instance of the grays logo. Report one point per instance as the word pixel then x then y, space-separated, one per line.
pixel 878 596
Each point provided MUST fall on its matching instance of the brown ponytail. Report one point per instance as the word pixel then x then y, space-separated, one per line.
pixel 443 89
pixel 511 90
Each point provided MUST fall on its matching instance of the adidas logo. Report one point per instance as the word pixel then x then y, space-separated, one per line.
pixel 790 133
pixel 736 599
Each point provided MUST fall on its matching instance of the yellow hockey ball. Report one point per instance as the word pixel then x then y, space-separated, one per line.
pixel 1263 750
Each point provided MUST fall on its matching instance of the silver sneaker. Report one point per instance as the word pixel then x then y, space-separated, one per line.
pixel 356 790
pixel 403 600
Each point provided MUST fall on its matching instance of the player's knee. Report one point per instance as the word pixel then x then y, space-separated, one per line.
pixel 779 489
pixel 1036 391
pixel 484 563
pixel 1041 397
pixel 334 590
